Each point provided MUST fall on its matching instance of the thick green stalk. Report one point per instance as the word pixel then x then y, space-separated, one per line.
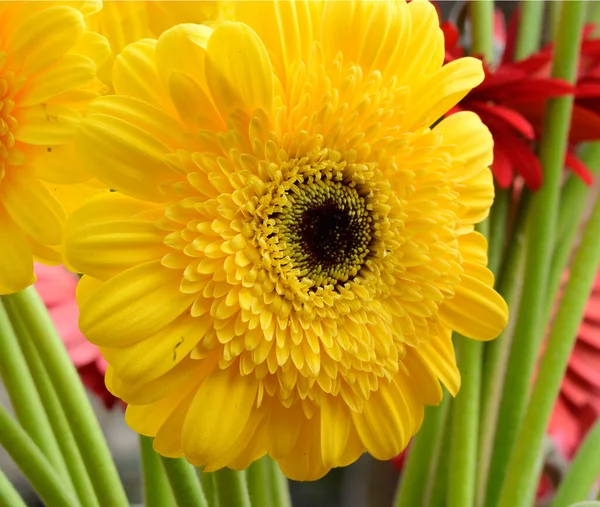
pixel 157 489
pixel 520 480
pixel 9 497
pixel 280 489
pixel 482 20
pixel 56 416
pixel 232 488
pixel 185 484
pixel 259 483
pixel 530 28
pixel 529 325
pixel 583 472
pixel 497 232
pixel 209 486
pixel 413 480
pixel 437 481
pixel 84 425
pixel 573 202
pixel 34 465
pixel 465 425
pixel 497 351
pixel 24 396
pixel 553 17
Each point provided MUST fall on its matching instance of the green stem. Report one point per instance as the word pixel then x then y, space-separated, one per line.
pixel 497 351
pixel 157 490
pixel 465 425
pixel 413 481
pixel 498 217
pixel 232 488
pixel 482 20
pixel 184 483
pixel 82 420
pixel 259 482
pixel 572 205
pixel 209 486
pixel 583 472
pixel 553 17
pixel 24 397
pixel 530 28
pixel 34 465
pixel 437 480
pixel 593 15
pixel 56 416
pixel 9 497
pixel 520 479
pixel 529 325
pixel 280 489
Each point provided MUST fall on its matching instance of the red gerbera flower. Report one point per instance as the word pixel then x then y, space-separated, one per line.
pixel 56 286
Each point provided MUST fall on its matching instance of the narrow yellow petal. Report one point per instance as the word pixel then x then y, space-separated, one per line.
pixel 16 268
pixel 335 428
pixel 46 124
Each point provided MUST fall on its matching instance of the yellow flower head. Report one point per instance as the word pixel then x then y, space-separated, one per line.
pixel 292 243
pixel 47 75
pixel 123 21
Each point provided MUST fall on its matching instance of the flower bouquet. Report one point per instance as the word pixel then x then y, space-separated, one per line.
pixel 287 234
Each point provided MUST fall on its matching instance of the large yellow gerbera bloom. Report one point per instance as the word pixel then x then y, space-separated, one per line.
pixel 291 244
pixel 47 75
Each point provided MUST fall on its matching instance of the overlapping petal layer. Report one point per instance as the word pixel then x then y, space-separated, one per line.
pixel 48 62
pixel 291 244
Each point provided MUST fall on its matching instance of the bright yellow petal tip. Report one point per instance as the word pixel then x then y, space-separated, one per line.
pixel 291 244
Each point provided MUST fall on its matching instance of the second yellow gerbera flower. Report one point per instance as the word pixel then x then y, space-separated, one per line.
pixel 291 244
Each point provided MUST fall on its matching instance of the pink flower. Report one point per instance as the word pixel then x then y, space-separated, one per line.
pixel 56 286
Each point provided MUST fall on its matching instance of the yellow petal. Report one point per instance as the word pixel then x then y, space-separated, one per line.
pixel 70 72
pixel 33 207
pixel 238 70
pixel 473 247
pixel 438 356
pixel 86 288
pixel 124 157
pixel 57 164
pixel 442 91
pixel 476 310
pixel 16 268
pixel 45 37
pixel 335 428
pixel 135 75
pixel 46 124
pixel 218 415
pixel 425 380
pixel 478 194
pixel 133 305
pixel 285 425
pixel 94 46
pixel 473 142
pixel 382 426
pixel 150 358
pixel 168 441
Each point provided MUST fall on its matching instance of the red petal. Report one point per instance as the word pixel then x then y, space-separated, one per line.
pixel 578 167
pixel 585 125
pixel 587 90
pixel 502 166
pixel 503 114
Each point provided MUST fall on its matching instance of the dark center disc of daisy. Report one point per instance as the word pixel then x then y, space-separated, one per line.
pixel 326 228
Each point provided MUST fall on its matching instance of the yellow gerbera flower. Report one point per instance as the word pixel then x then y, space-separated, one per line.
pixel 123 22
pixel 47 75
pixel 291 244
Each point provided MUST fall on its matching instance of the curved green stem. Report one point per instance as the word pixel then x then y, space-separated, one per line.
pixel 529 325
pixel 209 486
pixel 157 490
pixel 9 497
pixel 259 482
pixel 56 416
pixel 465 425
pixel 185 484
pixel 482 20
pixel 232 488
pixel 83 422
pixel 280 489
pixel 583 472
pixel 24 396
pixel 521 480
pixel 530 28
pixel 416 471
pixel 34 465
pixel 437 481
